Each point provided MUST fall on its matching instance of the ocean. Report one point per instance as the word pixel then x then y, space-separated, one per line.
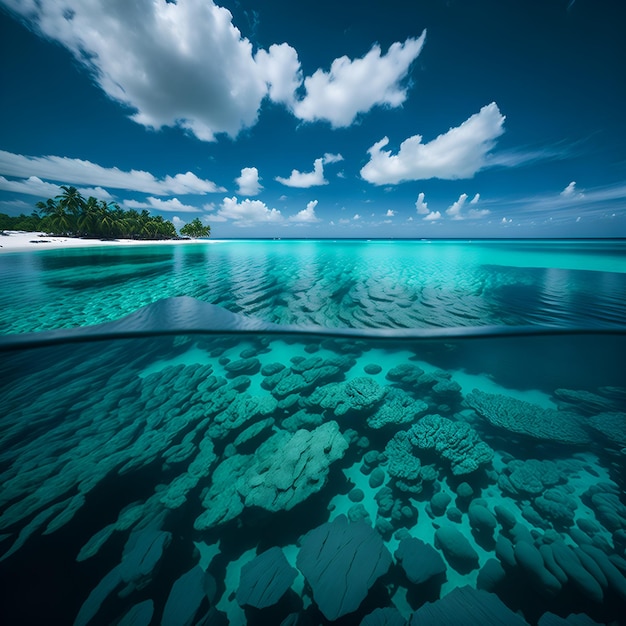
pixel 314 432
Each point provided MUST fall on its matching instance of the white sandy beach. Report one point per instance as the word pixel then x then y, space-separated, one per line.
pixel 20 241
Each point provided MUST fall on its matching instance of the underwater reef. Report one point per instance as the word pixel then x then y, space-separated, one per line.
pixel 259 479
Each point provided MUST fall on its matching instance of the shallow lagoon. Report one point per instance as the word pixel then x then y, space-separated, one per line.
pixel 358 284
pixel 201 474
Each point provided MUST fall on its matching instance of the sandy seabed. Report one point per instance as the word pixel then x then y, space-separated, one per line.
pixel 20 241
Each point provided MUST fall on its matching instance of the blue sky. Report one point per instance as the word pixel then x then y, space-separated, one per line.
pixel 274 118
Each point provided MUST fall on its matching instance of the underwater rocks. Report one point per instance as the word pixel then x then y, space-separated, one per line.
pixel 585 402
pixel 284 471
pixel 420 561
pixel 454 441
pixel 289 468
pixel 186 598
pixel 611 425
pixel 529 477
pixel 528 419
pixel 341 560
pixel 456 548
pixel 467 606
pixel 399 408
pixel 156 447
pixel 142 553
pixel 358 395
pixel 265 579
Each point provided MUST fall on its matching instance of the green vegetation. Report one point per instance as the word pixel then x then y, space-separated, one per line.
pixel 69 214
pixel 195 229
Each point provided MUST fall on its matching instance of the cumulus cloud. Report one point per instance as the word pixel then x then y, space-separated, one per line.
pixel 455 210
pixel 248 183
pixel 280 69
pixel 247 212
pixel 186 64
pixel 173 204
pixel 432 216
pixel 572 192
pixel 390 213
pixel 181 63
pixel 352 87
pixel 306 215
pixel 304 180
pixel 78 171
pixel 332 158
pixel 458 153
pixel 356 216
pixel 420 205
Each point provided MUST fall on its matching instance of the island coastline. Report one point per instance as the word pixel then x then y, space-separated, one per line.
pixel 23 241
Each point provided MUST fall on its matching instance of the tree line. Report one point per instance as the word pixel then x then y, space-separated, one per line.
pixel 70 214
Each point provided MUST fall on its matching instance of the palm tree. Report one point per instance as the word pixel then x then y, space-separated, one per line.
pixel 72 202
pixel 106 218
pixel 88 219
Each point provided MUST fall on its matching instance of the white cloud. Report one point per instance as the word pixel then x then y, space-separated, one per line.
pixel 332 158
pixel 432 216
pixel 390 213
pixel 420 205
pixel 571 192
pixel 455 210
pixel 355 86
pixel 458 153
pixel 280 69
pixel 506 221
pixel 306 215
pixel 180 63
pixel 173 204
pixel 248 183
pixel 34 186
pixel 475 214
pixel 178 223
pixel 185 64
pixel 247 212
pixel 78 171
pixel 305 180
pixel 356 216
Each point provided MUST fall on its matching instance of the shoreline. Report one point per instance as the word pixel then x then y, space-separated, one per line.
pixel 23 241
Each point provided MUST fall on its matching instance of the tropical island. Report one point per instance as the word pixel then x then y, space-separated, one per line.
pixel 71 215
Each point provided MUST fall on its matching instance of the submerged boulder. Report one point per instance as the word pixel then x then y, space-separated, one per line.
pixel 420 561
pixel 341 560
pixel 525 418
pixel 469 607
pixel 265 579
pixel 457 549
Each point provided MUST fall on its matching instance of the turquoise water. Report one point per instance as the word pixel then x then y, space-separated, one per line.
pixel 357 284
pixel 376 470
